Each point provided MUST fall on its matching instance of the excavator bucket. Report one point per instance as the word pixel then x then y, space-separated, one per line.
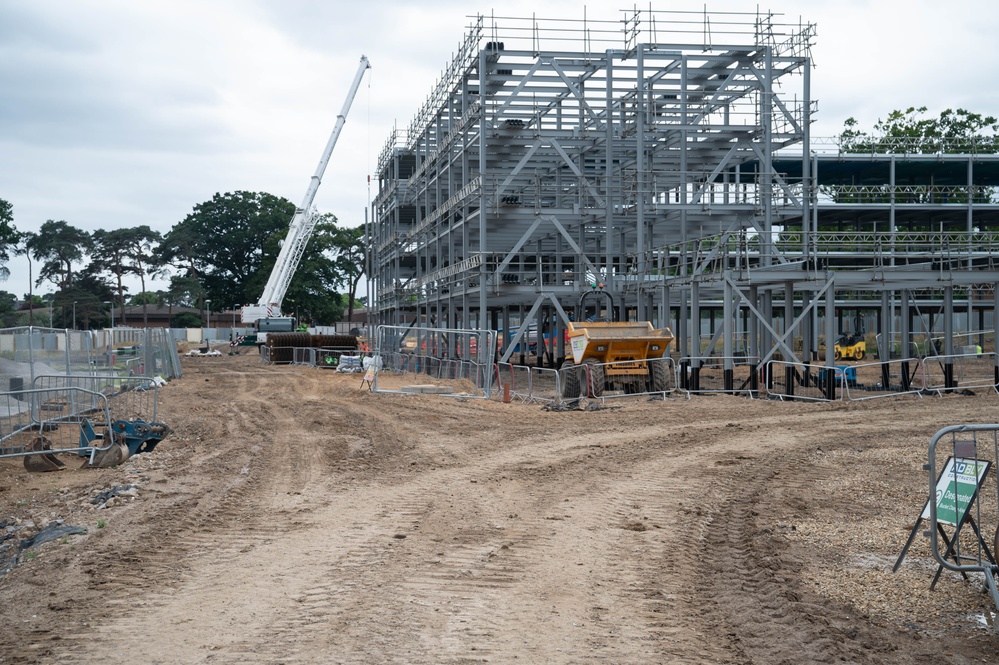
pixel 112 455
pixel 105 458
pixel 43 462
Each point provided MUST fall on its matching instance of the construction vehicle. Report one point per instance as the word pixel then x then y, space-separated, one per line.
pixel 614 356
pixel 851 346
pixel 266 315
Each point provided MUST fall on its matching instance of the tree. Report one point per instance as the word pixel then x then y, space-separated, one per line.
pixel 24 249
pixel 8 309
pixel 909 132
pixel 90 291
pixel 186 320
pixel 58 245
pixel 122 252
pixel 146 298
pixel 351 262
pixel 225 242
pixel 9 237
pixel 185 291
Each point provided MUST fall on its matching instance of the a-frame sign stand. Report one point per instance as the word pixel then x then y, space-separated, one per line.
pixel 954 508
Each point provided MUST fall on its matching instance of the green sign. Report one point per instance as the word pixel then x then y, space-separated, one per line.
pixel 956 489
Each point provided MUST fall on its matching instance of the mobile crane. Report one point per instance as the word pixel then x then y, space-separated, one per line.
pixel 266 315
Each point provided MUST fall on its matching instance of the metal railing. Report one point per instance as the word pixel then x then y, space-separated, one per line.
pixel 971 450
pixel 127 398
pixel 448 354
pixel 803 381
pixel 712 378
pixel 48 421
pixel 975 370
pixel 869 381
pixel 532 385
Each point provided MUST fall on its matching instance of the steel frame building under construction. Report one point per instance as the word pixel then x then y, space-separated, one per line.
pixel 666 159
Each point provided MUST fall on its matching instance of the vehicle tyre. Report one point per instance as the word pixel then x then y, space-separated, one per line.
pixel 595 386
pixel 837 355
pixel 657 376
pixel 570 380
pixel 859 355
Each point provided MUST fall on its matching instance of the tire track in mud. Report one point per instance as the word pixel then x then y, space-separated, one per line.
pixel 641 523
pixel 214 530
pixel 639 601
pixel 752 593
pixel 438 578
pixel 447 581
pixel 231 533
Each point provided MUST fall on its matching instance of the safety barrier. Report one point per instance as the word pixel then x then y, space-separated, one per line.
pixel 140 351
pixel 532 385
pixel 803 381
pixel 278 355
pixel 711 376
pixel 975 370
pixel 955 500
pixel 303 356
pixel 328 357
pixel 472 379
pixel 44 422
pixel 26 352
pixel 127 398
pixel 866 381
pixel 447 354
pixel 29 352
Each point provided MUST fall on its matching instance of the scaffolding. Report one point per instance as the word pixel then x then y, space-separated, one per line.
pixel 665 158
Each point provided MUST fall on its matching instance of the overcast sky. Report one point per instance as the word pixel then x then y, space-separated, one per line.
pixel 117 113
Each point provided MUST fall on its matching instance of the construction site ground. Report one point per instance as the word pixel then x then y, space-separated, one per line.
pixel 293 516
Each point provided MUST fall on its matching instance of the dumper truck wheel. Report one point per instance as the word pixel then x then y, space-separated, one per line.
pixel 595 385
pixel 570 380
pixel 657 377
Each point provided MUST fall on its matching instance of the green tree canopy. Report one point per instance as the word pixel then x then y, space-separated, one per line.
pixel 184 292
pixel 8 310
pixel 224 242
pixel 146 298
pixel 90 291
pixel 186 320
pixel 59 246
pixel 351 262
pixel 123 252
pixel 9 237
pixel 911 132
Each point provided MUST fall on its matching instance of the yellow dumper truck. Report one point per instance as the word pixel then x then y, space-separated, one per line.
pixel 615 355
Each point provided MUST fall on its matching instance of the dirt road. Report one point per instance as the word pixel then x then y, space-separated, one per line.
pixel 294 518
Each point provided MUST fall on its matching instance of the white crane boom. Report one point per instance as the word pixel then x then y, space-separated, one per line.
pixel 302 224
